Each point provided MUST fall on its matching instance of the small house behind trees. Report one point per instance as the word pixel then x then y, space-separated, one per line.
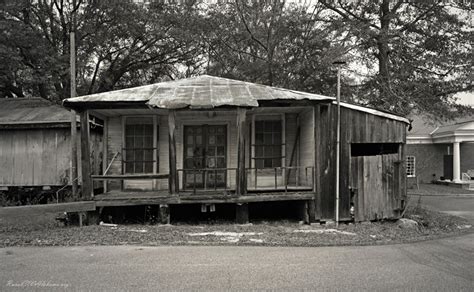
pixel 211 141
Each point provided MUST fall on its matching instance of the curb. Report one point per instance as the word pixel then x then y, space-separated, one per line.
pixel 442 195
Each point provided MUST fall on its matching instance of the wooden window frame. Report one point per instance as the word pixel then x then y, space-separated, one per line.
pixel 268 117
pixel 155 137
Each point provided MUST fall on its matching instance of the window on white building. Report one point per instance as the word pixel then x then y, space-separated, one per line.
pixel 410 166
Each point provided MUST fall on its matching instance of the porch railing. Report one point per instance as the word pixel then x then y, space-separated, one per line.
pixel 206 179
pixel 280 178
pixel 289 178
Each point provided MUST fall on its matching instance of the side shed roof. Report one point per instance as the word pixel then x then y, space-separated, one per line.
pixel 27 111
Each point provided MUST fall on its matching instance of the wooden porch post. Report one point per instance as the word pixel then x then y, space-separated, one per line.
pixel 241 178
pixel 317 165
pixel 173 182
pixel 74 177
pixel 241 210
pixel 85 157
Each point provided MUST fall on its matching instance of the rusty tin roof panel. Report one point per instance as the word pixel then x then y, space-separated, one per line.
pixel 198 92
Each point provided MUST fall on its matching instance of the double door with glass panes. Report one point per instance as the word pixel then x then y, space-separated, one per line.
pixel 205 156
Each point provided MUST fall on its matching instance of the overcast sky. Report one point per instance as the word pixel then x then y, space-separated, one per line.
pixel 466 98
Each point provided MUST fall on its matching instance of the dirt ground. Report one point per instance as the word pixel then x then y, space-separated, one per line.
pixel 429 224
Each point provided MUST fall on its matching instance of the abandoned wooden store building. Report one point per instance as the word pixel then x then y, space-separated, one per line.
pixel 209 140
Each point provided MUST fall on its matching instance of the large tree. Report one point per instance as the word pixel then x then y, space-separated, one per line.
pixel 413 55
pixel 273 43
pixel 402 55
pixel 119 44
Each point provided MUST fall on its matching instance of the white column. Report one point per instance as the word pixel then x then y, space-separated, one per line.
pixel 456 162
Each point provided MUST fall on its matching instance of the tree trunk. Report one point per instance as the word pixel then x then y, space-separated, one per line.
pixel 384 50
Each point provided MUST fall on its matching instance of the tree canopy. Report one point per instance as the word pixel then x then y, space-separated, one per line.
pixel 401 55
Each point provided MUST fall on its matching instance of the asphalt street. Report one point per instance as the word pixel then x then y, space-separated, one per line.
pixel 437 265
pixel 462 206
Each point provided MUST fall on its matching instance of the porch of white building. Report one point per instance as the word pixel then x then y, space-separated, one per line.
pixel 457 136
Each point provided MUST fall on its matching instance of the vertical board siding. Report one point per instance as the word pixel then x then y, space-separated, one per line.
pixel 35 157
pixel 6 158
pixel 114 145
pixel 306 147
pixel 163 151
pixel 374 177
pixel 357 127
pixel 291 127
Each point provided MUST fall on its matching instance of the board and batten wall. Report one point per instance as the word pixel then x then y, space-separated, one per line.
pixel 356 127
pixel 42 156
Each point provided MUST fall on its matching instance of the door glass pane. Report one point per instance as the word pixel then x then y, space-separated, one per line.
pixel 221 162
pixel 199 139
pixel 211 162
pixel 220 150
pixel 212 140
pixel 211 151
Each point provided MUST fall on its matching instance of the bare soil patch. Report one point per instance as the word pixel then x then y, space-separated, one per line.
pixel 428 225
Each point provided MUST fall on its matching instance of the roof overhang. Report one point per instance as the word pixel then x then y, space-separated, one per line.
pixel 463 132
pixel 208 92
pixel 374 112
pixel 420 139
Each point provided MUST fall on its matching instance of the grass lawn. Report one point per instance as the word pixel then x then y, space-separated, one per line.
pixel 45 232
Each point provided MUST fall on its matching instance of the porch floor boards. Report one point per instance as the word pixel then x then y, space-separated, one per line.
pixel 132 198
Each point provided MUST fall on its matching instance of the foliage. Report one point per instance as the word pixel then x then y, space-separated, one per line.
pixel 274 44
pixel 402 55
pixel 415 54
pixel 118 43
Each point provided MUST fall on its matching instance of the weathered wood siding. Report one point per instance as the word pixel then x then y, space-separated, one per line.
pixel 377 183
pixel 41 156
pixel 356 127
pixel 292 146
pixel 114 146
pixel 306 147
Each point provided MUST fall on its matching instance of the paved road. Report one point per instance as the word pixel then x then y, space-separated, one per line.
pixel 462 206
pixel 440 265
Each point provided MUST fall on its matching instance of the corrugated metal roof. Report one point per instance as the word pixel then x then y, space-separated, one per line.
pixel 204 92
pixel 31 111
pixel 374 112
pixel 198 92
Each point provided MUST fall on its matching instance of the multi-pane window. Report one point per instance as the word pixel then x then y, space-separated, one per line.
pixel 268 143
pixel 410 166
pixel 139 145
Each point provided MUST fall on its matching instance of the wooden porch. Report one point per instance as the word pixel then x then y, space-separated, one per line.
pixel 133 198
pixel 209 192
